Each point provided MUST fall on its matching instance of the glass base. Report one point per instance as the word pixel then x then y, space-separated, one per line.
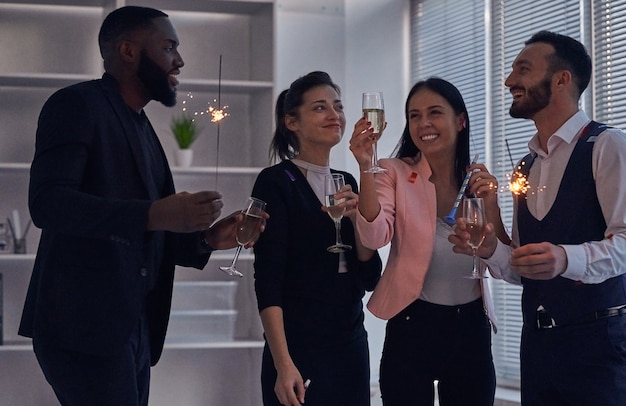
pixel 375 169
pixel 339 248
pixel 472 276
pixel 231 270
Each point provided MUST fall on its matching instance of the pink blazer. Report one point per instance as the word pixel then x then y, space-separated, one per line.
pixel 407 220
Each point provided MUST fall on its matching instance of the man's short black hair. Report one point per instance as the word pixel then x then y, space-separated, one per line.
pixel 123 21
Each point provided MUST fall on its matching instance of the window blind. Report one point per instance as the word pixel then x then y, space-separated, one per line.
pixel 447 41
pixel 609 48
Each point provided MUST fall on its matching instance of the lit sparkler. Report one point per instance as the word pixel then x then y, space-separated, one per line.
pixel 216 111
pixel 518 184
pixel 217 115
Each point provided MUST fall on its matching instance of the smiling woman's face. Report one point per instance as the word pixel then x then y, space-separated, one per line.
pixel 433 123
pixel 320 120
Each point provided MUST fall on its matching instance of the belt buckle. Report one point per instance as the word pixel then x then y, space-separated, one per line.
pixel 544 321
pixel 610 312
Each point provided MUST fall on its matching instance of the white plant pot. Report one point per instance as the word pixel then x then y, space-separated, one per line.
pixel 184 157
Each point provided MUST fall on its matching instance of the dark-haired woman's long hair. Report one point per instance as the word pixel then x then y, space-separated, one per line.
pixel 407 148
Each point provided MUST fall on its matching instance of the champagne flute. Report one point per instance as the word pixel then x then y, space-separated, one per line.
pixel 374 112
pixel 247 231
pixel 475 221
pixel 332 184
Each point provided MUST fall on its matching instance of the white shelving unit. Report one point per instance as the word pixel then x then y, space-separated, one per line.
pixel 56 46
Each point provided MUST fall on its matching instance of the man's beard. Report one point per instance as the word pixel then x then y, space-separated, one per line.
pixel 534 100
pixel 156 81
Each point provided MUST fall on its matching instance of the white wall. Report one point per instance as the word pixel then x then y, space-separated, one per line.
pixel 363 45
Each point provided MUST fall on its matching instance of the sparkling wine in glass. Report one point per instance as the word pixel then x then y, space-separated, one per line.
pixel 374 112
pixel 247 231
pixel 475 221
pixel 332 184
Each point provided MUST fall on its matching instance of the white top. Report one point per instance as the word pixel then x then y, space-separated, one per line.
pixel 445 282
pixel 315 175
pixel 591 262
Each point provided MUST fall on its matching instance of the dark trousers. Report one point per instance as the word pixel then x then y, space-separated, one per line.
pixel 339 376
pixel 80 379
pixel 427 342
pixel 581 365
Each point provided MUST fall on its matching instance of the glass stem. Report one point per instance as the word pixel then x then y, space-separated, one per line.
pixel 475 271
pixel 338 232
pixel 374 155
pixel 236 255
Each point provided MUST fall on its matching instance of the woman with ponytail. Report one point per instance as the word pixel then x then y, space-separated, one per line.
pixel 309 299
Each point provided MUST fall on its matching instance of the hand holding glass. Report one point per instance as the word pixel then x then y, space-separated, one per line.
pixel 247 230
pixel 332 184
pixel 475 221
pixel 374 112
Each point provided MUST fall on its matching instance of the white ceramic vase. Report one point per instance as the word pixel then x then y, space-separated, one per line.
pixel 184 157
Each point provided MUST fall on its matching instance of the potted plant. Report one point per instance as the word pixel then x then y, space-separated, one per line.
pixel 186 131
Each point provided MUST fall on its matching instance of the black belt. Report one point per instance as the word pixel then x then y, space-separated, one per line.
pixel 545 321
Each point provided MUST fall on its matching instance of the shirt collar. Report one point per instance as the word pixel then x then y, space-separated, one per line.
pixel 568 133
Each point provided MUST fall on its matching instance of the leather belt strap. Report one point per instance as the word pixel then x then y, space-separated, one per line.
pixel 545 321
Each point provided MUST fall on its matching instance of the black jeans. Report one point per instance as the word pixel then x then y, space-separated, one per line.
pixel 427 342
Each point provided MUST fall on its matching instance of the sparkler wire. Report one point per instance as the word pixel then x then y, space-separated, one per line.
pixel 219 106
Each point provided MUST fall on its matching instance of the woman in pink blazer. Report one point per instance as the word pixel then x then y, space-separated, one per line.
pixel 437 328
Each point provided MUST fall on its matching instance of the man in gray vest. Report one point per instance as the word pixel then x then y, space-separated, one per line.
pixel 569 234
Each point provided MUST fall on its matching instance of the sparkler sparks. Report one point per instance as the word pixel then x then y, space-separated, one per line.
pixel 518 183
pixel 217 114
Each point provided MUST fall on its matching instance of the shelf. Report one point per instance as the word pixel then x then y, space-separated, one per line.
pixel 59 80
pixel 209 6
pixel 16 258
pixel 14 166
pixel 229 257
pixel 53 80
pixel 217 345
pixel 16 347
pixel 227 86
pixel 230 170
pixel 41 4
pixel 217 256
pixel 176 170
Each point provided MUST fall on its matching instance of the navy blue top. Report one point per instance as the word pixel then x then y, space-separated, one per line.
pixel 294 271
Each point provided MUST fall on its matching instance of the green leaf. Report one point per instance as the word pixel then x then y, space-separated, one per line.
pixel 185 130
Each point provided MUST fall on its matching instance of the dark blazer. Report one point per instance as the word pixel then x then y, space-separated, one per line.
pixel 90 195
